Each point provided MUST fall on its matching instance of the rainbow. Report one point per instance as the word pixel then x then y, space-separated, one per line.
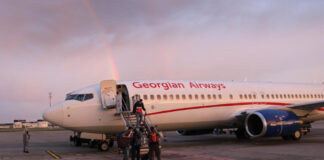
pixel 97 22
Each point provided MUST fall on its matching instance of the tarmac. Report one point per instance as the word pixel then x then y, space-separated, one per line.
pixel 50 145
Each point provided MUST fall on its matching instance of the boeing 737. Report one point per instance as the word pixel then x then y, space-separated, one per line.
pixel 196 107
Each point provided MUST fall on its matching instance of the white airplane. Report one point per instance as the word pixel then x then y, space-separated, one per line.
pixel 196 107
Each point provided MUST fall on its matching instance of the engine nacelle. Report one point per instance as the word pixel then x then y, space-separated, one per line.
pixel 195 132
pixel 270 123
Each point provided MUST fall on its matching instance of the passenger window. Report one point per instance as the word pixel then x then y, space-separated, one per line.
pixel 307 95
pixel 280 96
pixel 190 96
pixel 231 96
pixel 88 96
pixel 177 97
pixel 315 96
pixel 300 96
pixel 277 96
pixel 165 97
pixel 245 96
pixel 209 96
pixel 262 96
pixel 296 96
pixel 220 96
pixel 311 96
pixel 272 96
pixel 250 96
pixel 285 96
pixel 268 96
pixel 196 96
pixel 292 96
pixel 241 96
pixel 183 97
pixel 158 97
pixel 214 96
pixel 171 96
pixel 152 97
pixel 254 96
pixel 202 96
pixel 145 97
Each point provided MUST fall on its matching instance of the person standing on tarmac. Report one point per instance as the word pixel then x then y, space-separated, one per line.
pixel 26 138
pixel 136 144
pixel 154 144
pixel 138 110
pixel 124 142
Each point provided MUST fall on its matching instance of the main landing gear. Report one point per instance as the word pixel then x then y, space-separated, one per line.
pixel 295 136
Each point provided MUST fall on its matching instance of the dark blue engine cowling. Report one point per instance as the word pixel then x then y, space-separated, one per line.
pixel 270 123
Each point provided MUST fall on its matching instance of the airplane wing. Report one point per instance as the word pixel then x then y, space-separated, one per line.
pixel 302 110
pixel 307 106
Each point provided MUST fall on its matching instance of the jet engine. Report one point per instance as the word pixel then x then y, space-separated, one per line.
pixel 270 123
pixel 195 132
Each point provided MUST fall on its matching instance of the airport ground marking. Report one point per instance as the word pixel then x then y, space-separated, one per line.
pixel 53 154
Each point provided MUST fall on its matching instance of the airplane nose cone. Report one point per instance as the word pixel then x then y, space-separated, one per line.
pixel 54 115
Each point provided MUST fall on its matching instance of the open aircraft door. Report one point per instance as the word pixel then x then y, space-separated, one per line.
pixel 108 92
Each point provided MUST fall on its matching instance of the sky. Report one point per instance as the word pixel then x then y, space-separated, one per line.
pixel 60 46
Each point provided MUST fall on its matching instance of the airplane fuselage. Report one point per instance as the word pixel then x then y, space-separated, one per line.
pixel 186 105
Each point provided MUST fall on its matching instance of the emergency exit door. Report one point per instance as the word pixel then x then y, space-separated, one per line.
pixel 108 92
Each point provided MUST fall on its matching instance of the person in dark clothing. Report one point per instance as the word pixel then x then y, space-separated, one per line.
pixel 136 144
pixel 124 142
pixel 154 144
pixel 138 110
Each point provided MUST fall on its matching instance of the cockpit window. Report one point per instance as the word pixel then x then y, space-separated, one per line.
pixel 88 96
pixel 79 97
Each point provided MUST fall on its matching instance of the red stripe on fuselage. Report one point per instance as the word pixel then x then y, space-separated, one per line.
pixel 320 109
pixel 222 105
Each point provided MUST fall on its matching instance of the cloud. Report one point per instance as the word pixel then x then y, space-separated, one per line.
pixel 60 46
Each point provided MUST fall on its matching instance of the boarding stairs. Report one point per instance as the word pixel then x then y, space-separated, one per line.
pixel 129 119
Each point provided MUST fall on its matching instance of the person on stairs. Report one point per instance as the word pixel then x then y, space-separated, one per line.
pixel 136 144
pixel 154 144
pixel 138 110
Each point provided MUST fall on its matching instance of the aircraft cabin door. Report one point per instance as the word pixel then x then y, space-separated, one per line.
pixel 108 92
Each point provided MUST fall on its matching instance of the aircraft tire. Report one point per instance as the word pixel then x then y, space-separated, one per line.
pixel 297 135
pixel 103 146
